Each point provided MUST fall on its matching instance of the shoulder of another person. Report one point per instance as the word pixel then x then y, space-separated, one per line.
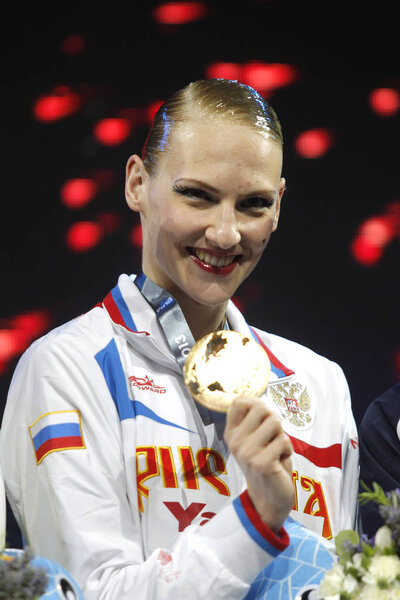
pixel 384 411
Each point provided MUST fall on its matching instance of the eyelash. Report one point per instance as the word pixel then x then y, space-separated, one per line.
pixel 192 192
pixel 256 202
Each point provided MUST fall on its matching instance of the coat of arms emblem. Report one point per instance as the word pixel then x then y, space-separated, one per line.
pixel 294 403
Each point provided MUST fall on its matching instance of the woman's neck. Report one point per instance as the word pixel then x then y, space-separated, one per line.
pixel 203 319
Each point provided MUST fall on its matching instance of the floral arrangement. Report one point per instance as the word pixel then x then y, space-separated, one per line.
pixel 368 568
pixel 19 579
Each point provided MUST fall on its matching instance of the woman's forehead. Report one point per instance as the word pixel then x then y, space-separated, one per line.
pixel 207 148
pixel 203 137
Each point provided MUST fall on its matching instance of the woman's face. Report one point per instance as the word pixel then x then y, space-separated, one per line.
pixel 208 212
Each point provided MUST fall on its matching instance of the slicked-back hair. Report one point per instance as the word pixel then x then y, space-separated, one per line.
pixel 209 99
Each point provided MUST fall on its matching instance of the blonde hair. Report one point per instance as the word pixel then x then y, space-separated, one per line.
pixel 209 98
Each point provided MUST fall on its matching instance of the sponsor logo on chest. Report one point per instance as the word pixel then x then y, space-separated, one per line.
pixel 146 384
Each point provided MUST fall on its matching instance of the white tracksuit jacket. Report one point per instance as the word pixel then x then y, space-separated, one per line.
pixel 111 472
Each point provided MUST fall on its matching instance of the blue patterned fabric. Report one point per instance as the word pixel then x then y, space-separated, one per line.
pixel 302 565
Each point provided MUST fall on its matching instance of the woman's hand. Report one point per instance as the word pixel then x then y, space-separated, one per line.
pixel 256 438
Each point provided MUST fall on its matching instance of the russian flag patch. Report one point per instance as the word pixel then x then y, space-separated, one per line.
pixel 56 431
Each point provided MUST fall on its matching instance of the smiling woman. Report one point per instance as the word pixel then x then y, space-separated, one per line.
pixel 156 496
pixel 207 212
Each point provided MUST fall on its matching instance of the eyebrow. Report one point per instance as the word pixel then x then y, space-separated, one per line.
pixel 210 188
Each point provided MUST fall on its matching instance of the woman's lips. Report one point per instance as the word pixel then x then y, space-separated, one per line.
pixel 216 265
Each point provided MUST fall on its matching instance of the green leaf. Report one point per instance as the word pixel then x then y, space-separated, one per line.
pixel 376 494
pixel 343 540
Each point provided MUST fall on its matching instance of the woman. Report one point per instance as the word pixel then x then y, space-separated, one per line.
pixel 108 458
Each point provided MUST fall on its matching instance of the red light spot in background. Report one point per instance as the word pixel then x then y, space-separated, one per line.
pixel 136 236
pixel 384 101
pixel 58 105
pixel 32 323
pixel 73 45
pixel 238 302
pixel 20 332
pixel 264 77
pixel 313 143
pixel 105 179
pixel 109 221
pixel 83 236
pixel 76 193
pixel 374 234
pixel 113 131
pixel 378 230
pixel 267 76
pixel 223 70
pixel 9 345
pixel 152 109
pixel 364 252
pixel 178 13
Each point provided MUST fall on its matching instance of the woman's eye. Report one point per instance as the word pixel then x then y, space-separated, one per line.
pixel 192 192
pixel 257 202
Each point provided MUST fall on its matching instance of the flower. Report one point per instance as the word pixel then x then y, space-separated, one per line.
pixel 333 581
pixel 383 538
pixel 368 568
pixel 382 570
pixel 20 579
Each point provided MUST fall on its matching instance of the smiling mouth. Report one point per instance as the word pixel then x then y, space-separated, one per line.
pixel 220 265
pixel 214 261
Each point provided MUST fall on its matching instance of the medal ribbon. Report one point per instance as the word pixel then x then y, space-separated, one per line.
pixel 177 333
pixel 170 317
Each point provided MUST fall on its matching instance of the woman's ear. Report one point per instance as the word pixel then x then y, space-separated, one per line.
pixel 282 186
pixel 134 183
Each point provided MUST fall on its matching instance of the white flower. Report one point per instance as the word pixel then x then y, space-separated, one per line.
pixel 382 568
pixel 383 538
pixel 350 584
pixel 374 593
pixel 357 560
pixel 332 583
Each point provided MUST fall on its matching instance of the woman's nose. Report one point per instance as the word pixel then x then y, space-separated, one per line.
pixel 224 231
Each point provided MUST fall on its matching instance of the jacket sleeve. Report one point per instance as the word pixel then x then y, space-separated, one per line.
pixel 63 463
pixel 380 451
pixel 350 458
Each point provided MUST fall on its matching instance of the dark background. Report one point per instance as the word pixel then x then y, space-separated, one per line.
pixel 308 286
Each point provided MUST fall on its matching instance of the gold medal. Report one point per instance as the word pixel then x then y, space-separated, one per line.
pixel 224 365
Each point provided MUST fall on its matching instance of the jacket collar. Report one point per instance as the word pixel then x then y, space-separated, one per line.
pixel 135 319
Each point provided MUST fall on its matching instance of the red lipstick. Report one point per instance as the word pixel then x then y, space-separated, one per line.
pixel 213 270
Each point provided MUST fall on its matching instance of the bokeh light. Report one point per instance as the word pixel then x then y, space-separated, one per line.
pixel 83 236
pixel 265 77
pixel 112 131
pixel 374 234
pixel 73 45
pixel 59 104
pixel 18 332
pixel 109 221
pixel 223 70
pixel 378 230
pixel 313 143
pixel 136 236
pixel 262 76
pixel 178 13
pixel 152 109
pixel 365 252
pixel 76 193
pixel 385 101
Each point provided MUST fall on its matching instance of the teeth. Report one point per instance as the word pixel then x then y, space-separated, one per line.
pixel 214 261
